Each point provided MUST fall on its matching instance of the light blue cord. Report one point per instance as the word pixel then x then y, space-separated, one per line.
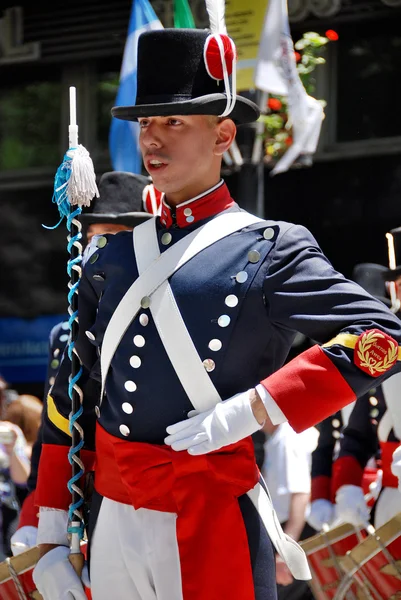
pixel 60 197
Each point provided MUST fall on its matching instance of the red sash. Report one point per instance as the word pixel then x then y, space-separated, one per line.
pixel 387 449
pixel 203 491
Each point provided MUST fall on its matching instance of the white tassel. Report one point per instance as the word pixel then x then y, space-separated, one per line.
pixel 81 186
pixel 216 11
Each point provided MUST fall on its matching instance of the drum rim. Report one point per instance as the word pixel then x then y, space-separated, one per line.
pixel 319 541
pixel 369 547
pixel 21 563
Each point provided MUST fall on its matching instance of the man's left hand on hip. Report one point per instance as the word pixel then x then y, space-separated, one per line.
pixel 227 423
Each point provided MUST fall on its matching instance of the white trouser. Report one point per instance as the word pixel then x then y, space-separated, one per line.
pixel 134 554
pixel 388 505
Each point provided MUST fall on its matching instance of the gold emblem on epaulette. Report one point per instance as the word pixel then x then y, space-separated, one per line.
pixel 375 352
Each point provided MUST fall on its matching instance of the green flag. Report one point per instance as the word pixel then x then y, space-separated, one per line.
pixel 182 15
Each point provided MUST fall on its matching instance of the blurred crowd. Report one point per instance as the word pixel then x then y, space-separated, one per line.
pixel 20 417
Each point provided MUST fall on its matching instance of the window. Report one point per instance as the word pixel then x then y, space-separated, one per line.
pixel 29 124
pixel 369 82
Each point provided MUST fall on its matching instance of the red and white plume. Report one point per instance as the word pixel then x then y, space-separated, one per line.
pixel 220 53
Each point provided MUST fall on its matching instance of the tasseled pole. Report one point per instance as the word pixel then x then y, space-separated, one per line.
pixel 74 187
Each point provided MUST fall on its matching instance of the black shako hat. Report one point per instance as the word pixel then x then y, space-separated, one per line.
pixel 120 200
pixel 173 79
pixel 372 277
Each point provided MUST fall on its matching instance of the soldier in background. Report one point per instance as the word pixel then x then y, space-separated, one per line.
pixel 375 423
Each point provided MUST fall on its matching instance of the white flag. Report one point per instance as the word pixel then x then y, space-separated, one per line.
pixel 276 73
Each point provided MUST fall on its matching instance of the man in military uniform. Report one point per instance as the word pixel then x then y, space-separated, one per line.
pixel 196 311
pixel 125 200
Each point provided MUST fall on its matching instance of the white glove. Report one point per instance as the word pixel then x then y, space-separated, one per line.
pixel 23 538
pixel 55 578
pixel 396 466
pixel 351 505
pixel 321 513
pixel 227 423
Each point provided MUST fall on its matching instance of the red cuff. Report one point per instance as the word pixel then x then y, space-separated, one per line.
pixel 29 512
pixel 346 471
pixel 309 389
pixel 320 487
pixel 55 472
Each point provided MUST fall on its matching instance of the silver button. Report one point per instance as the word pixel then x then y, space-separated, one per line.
pixel 187 212
pixel 139 341
pixel 145 302
pixel 268 233
pixel 93 258
pixel 65 325
pixel 101 242
pixel 190 219
pixel 56 352
pixel 98 277
pixel 241 277
pixel 224 321
pixel 130 386
pixel 135 362
pixel 97 411
pixel 231 301
pixel 90 335
pixel 52 380
pixel 336 434
pixel 373 401
pixel 336 423
pixel 124 430
pixel 143 319
pixel 127 408
pixel 215 345
pixel 166 239
pixel 253 256
pixel 64 337
pixel 209 364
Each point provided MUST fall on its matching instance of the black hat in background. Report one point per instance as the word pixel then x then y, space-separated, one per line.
pixel 178 74
pixel 120 200
pixel 372 277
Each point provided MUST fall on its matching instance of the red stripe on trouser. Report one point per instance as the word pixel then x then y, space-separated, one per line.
pixel 387 449
pixel 203 491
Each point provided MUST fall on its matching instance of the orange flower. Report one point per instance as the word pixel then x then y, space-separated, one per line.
pixel 332 35
pixel 297 56
pixel 274 104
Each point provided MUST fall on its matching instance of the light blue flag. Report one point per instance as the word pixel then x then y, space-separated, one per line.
pixel 123 137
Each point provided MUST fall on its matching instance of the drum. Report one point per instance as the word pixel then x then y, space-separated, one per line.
pixel 16 581
pixel 374 565
pixel 325 551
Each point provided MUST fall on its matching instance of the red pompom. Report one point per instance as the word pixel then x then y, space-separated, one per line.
pixel 150 206
pixel 212 56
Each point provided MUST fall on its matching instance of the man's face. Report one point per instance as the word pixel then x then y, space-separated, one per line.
pixel 181 153
pixel 102 228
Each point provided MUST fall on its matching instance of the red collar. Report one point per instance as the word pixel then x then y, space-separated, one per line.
pixel 201 207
